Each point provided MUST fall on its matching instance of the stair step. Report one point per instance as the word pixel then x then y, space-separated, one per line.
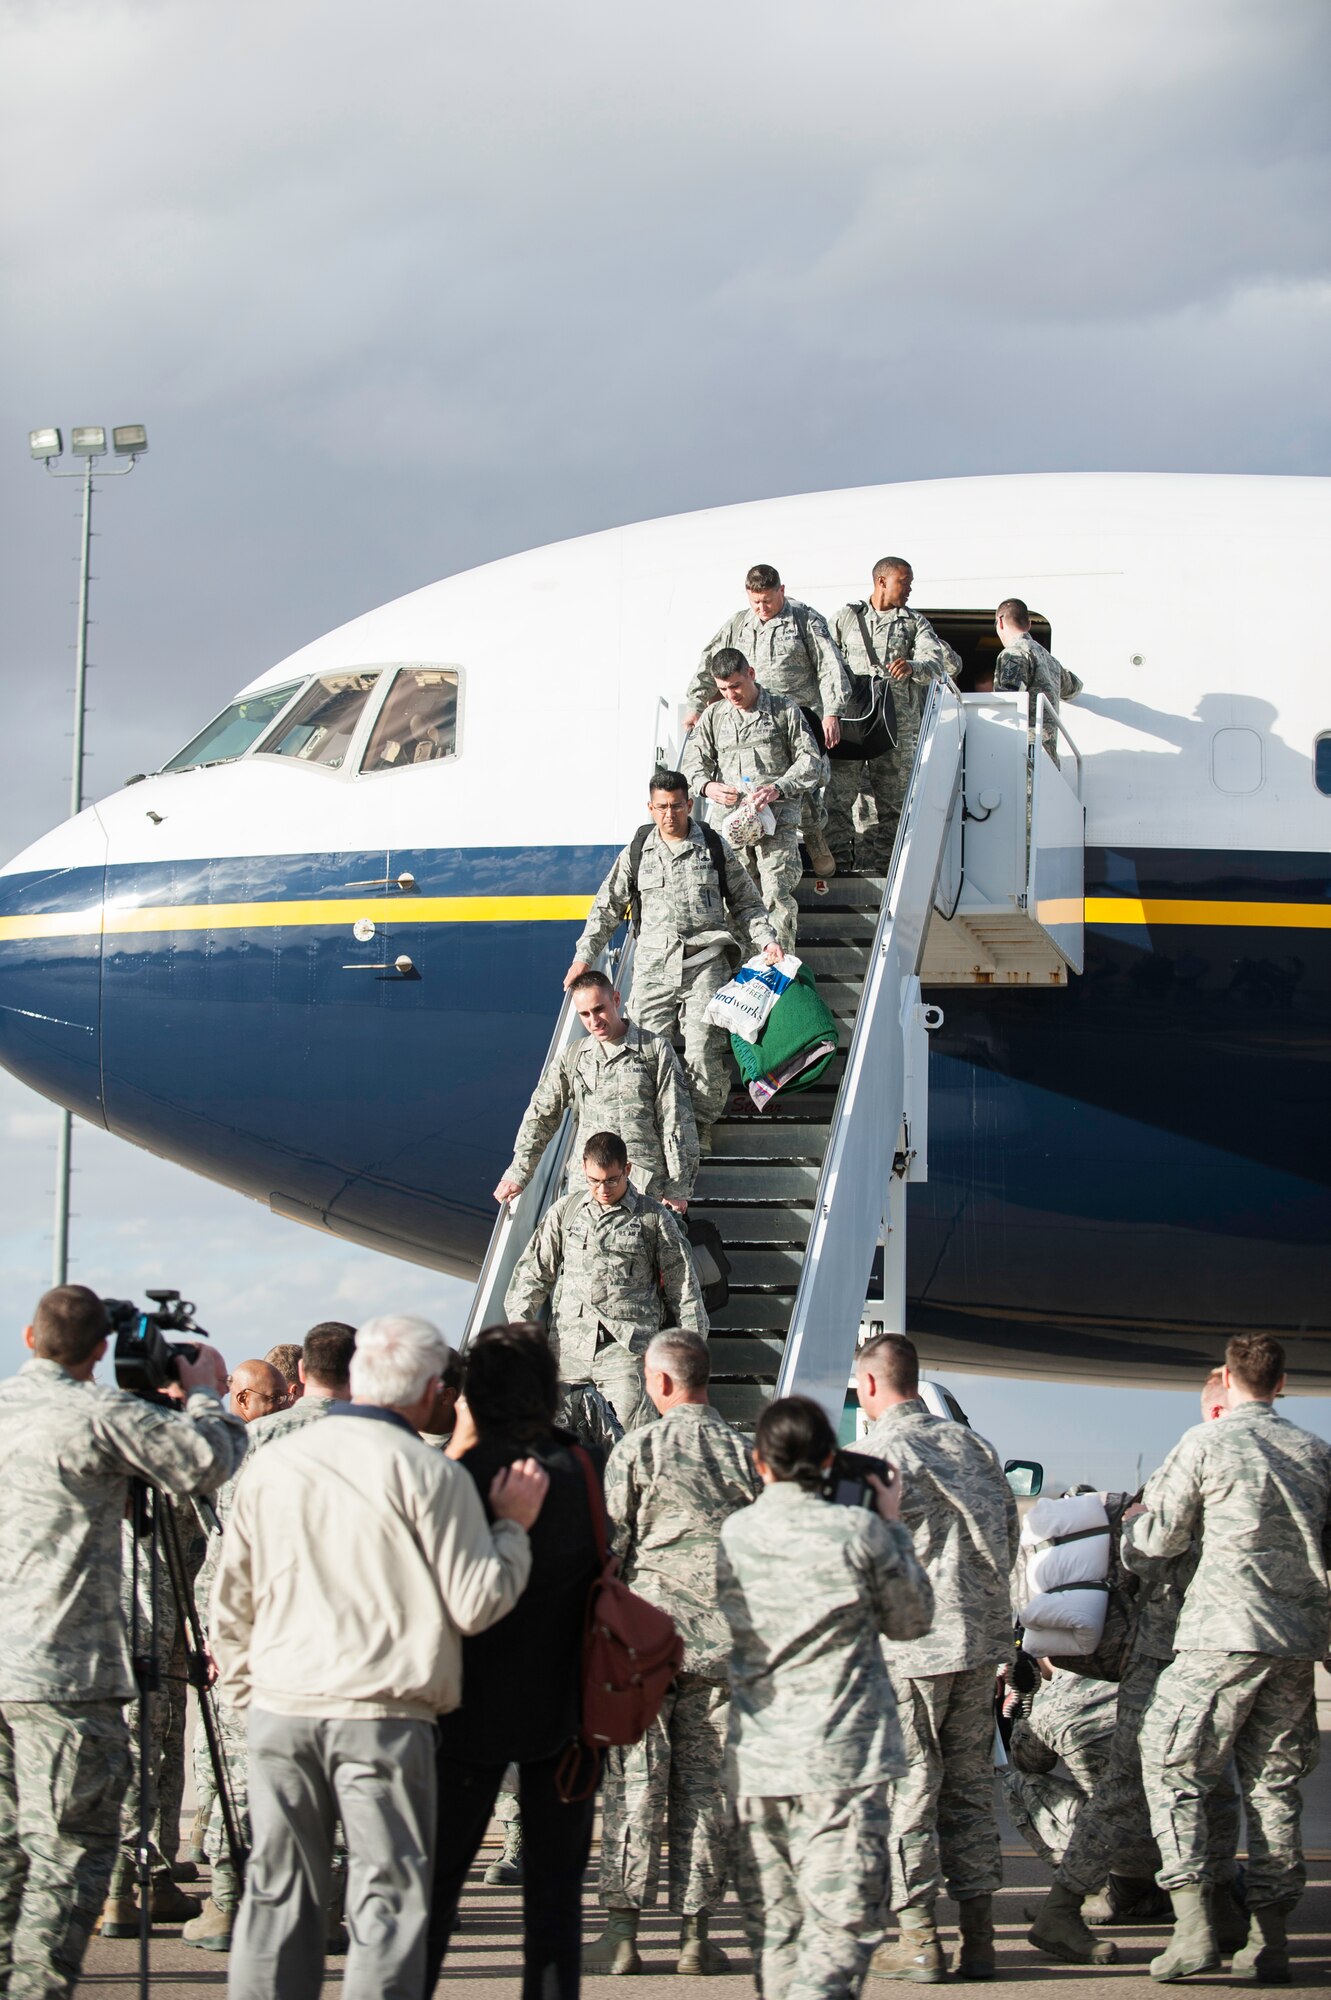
pixel 752 1311
pixel 759 1181
pixel 741 1354
pixel 836 927
pixel 836 961
pixel 805 1106
pixel 781 1139
pixel 773 1269
pixel 841 892
pixel 741 1403
pixel 755 1225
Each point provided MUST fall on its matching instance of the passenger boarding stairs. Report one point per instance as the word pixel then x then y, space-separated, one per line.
pixel 985 887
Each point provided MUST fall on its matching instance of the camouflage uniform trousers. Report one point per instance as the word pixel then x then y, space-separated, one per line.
pixel 233 1732
pixel 810 1876
pixel 1113 1833
pixel 1043 1807
pixel 205 1787
pixel 171 1771
pixel 673 1781
pixel 943 1819
pixel 150 1712
pixel 665 1009
pixel 1206 1708
pixel 617 1373
pixel 776 868
pixel 880 780
pixel 64 1767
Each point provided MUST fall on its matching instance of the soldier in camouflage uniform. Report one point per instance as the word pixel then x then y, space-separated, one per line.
pixel 1111 1848
pixel 756 744
pixel 793 654
pixel 1254 1492
pixel 1068 1720
pixel 325 1359
pixel 807 1588
pixel 618 1078
pixel 686 948
pixel 884 637
pixel 668 1488
pixel 612 1264
pixel 963 1521
pixel 68 1450
pixel 1024 663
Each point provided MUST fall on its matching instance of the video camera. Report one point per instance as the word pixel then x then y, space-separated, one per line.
pixel 846 1480
pixel 146 1362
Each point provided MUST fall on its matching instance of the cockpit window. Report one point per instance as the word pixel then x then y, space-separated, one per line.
pixel 323 722
pixel 234 729
pixel 418 723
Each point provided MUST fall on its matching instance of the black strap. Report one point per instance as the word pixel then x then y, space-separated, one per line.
pixel 715 848
pixel 863 624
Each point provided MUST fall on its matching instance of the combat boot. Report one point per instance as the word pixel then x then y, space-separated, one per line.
pixel 169 1905
pixel 820 854
pixel 1192 1947
pixel 1129 1900
pixel 1229 1917
pixel 616 1950
pixel 917 1955
pixel 975 1955
pixel 1060 1930
pixel 211 1929
pixel 1264 1959
pixel 198 1854
pixel 505 1871
pixel 120 1916
pixel 697 1953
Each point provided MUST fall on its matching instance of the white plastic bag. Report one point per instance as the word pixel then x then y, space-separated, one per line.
pixel 1064 1543
pixel 742 1005
pixel 748 823
pixel 1068 1622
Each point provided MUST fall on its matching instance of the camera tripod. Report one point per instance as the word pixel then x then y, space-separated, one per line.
pixel 156 1538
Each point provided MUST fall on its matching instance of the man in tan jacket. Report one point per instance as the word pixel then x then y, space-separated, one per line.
pixel 355 1561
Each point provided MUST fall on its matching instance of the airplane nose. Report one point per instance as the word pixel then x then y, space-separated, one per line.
pixel 50 965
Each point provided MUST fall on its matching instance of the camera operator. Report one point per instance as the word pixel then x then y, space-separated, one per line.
pixel 807 1588
pixel 68 1450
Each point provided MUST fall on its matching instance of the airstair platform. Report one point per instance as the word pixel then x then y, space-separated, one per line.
pixel 985 887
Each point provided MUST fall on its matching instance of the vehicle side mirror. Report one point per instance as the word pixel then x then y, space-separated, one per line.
pixel 1025 1476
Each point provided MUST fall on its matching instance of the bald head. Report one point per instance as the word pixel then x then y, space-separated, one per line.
pixel 257 1389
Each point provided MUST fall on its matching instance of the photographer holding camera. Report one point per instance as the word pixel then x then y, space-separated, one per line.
pixel 68 1451
pixel 808 1587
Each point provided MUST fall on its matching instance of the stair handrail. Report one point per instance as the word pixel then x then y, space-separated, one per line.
pixel 519 1219
pixel 853 1186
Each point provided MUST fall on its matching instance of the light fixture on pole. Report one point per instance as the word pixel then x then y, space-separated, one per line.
pixel 88 442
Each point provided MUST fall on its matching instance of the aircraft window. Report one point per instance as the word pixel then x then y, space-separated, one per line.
pixel 1322 763
pixel 418 723
pixel 234 729
pixel 323 721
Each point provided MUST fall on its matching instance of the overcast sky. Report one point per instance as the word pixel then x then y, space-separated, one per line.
pixel 397 289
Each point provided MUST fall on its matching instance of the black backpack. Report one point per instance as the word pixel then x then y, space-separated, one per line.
pixel 716 847
pixel 709 1261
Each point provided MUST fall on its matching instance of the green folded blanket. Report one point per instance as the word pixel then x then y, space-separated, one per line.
pixel 800 1020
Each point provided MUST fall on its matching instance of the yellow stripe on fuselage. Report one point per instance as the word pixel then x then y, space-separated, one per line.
pixel 116 922
pixel 1104 911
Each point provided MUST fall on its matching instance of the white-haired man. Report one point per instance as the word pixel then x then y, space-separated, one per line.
pixel 355 1562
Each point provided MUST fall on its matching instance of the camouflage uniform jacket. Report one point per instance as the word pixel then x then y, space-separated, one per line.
pixel 1071 1717
pixel 668 1488
pixel 792 654
pixel 1027 665
pixel 263 1430
pixel 68 1450
pixel 634 1087
pixel 682 903
pixel 963 1520
pixel 1162 1584
pixel 613 1267
pixel 1255 1492
pixel 807 1588
pixel 898 634
pixel 770 743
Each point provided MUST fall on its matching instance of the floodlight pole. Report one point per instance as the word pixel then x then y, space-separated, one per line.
pixel 65 1132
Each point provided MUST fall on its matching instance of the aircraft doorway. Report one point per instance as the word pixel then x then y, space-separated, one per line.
pixel 972 634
